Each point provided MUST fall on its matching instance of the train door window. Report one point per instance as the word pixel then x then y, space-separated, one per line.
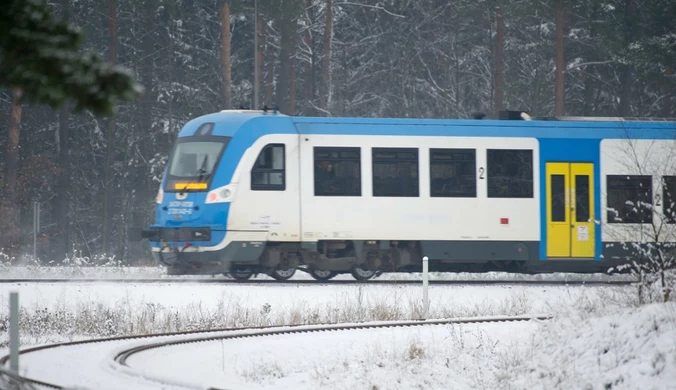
pixel 510 173
pixel 453 173
pixel 268 173
pixel 395 172
pixel 582 212
pixel 669 198
pixel 629 199
pixel 558 198
pixel 337 171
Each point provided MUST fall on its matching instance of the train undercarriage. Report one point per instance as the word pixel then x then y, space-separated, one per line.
pixel 324 260
pixel 362 259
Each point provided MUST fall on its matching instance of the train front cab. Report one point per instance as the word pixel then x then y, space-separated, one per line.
pixel 216 217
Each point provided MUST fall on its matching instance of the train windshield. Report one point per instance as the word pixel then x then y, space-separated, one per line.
pixel 193 163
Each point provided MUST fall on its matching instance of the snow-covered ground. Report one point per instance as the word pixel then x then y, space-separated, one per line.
pixel 159 272
pixel 56 311
pixel 599 336
pixel 432 357
pixel 632 348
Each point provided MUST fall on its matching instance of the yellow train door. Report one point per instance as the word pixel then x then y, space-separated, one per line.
pixel 570 210
pixel 582 210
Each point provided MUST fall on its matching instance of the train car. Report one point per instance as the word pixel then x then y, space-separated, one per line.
pixel 249 191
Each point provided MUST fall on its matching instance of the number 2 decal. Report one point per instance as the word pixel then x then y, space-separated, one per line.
pixel 481 173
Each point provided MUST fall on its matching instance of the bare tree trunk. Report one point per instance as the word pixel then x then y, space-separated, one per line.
pixel 499 60
pixel 625 74
pixel 10 209
pixel 309 66
pixel 560 63
pixel 284 70
pixel 292 69
pixel 259 53
pixel 225 54
pixel 110 136
pixel 269 82
pixel 326 58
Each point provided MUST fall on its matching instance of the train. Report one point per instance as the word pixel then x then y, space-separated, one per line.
pixel 249 192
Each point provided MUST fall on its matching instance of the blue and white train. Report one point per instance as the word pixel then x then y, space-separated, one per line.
pixel 249 191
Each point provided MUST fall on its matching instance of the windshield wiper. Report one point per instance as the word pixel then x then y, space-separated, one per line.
pixel 203 168
pixel 201 173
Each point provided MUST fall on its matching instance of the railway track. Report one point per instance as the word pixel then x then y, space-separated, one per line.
pixel 118 359
pixel 327 282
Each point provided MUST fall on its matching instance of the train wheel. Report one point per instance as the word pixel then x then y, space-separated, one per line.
pixel 283 274
pixel 362 274
pixel 241 273
pixel 322 275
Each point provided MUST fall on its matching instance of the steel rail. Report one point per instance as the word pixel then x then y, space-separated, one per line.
pixel 328 282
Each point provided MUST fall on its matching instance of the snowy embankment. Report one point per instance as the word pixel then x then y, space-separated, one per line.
pixel 631 349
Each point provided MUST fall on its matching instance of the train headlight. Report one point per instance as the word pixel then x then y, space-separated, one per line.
pixel 220 195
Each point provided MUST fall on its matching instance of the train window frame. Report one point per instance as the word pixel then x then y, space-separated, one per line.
pixel 435 159
pixel 612 187
pixel 668 200
pixel 397 157
pixel 341 157
pixel 523 190
pixel 257 170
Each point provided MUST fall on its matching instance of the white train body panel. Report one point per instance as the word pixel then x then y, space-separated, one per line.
pixel 656 158
pixel 298 212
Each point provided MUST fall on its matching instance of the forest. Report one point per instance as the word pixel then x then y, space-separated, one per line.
pixel 96 178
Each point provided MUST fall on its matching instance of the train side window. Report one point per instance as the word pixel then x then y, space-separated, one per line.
pixel 453 173
pixel 395 172
pixel 268 173
pixel 337 171
pixel 510 173
pixel 629 199
pixel 669 198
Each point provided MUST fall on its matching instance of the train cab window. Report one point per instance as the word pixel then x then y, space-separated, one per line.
pixel 452 173
pixel 629 199
pixel 669 198
pixel 337 171
pixel 395 172
pixel 509 173
pixel 268 173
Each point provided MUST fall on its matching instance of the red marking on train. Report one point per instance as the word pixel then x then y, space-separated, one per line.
pixel 504 221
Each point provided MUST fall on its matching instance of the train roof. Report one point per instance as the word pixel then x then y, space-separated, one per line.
pixel 229 122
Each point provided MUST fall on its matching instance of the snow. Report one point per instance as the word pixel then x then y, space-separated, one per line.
pixel 633 349
pixel 629 349
pixel 427 357
pixel 595 339
pixel 56 312
pixel 159 272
